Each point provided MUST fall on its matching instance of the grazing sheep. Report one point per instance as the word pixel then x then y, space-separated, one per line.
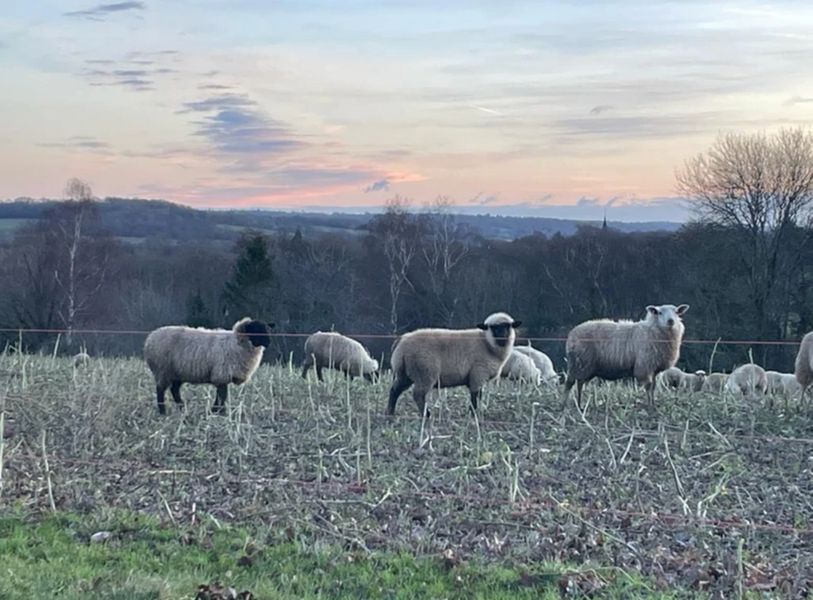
pixel 332 350
pixel 542 362
pixel 693 382
pixel 671 378
pixel 441 358
pixel 82 359
pixel 178 355
pixel 774 382
pixel 790 386
pixel 521 367
pixel 620 349
pixel 804 363
pixel 714 382
pixel 747 380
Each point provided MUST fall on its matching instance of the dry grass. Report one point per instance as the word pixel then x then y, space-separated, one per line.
pixel 704 493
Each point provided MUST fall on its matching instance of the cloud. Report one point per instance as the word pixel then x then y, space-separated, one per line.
pixel 81 142
pixel 382 185
pixel 233 124
pixel 489 111
pixel 597 110
pixel 136 74
pixel 798 100
pixel 100 11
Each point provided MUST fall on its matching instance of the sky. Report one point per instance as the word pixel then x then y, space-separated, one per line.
pixel 566 109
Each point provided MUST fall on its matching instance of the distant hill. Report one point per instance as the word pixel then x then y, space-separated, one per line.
pixel 137 220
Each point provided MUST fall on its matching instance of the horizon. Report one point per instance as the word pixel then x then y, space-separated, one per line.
pixel 512 109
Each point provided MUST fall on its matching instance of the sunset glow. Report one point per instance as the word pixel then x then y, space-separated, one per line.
pixel 558 109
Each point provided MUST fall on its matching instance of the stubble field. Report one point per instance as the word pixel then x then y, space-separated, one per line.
pixel 699 495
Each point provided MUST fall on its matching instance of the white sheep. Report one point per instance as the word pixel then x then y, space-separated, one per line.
pixel 671 378
pixel 328 349
pixel 747 380
pixel 714 383
pixel 442 358
pixel 620 349
pixel 693 382
pixel 774 382
pixel 82 359
pixel 178 355
pixel 520 367
pixel 542 362
pixel 804 364
pixel 790 385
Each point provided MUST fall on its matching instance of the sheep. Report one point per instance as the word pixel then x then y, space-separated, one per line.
pixel 790 386
pixel 335 351
pixel 441 358
pixel 177 355
pixel 619 349
pixel 693 382
pixel 521 367
pixel 747 380
pixel 542 362
pixel 714 383
pixel 81 360
pixel 774 382
pixel 804 363
pixel 671 378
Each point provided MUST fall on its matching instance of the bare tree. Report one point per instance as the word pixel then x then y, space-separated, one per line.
pixel 398 230
pixel 445 245
pixel 761 187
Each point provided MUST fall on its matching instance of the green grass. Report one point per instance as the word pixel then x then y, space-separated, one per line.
pixel 53 558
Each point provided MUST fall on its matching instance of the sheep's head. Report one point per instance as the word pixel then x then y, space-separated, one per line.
pixel 667 316
pixel 373 374
pixel 500 328
pixel 258 332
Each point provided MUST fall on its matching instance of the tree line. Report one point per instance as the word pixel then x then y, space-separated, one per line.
pixel 743 264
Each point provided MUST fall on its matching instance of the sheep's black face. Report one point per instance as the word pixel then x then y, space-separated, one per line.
pixel 259 333
pixel 501 332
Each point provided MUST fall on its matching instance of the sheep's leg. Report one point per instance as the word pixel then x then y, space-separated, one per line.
pixel 219 407
pixel 176 392
pixel 579 388
pixel 319 372
pixel 649 387
pixel 306 365
pixel 566 392
pixel 419 395
pixel 399 386
pixel 475 396
pixel 159 395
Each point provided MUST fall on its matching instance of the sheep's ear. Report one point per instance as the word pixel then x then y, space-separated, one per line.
pixel 482 326
pixel 653 310
pixel 516 324
pixel 682 309
pixel 271 325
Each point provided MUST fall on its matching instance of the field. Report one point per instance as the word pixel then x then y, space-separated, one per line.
pixel 699 495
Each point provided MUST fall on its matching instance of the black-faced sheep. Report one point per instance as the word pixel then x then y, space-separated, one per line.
pixel 620 349
pixel 442 358
pixel 178 355
pixel 332 350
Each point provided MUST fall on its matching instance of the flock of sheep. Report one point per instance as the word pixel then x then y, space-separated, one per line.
pixel 646 350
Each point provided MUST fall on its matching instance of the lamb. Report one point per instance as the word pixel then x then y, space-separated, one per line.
pixel 442 358
pixel 747 380
pixel 335 351
pixel 804 363
pixel 671 378
pixel 178 355
pixel 81 360
pixel 790 386
pixel 618 349
pixel 693 382
pixel 521 367
pixel 714 382
pixel 542 362
pixel 774 382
